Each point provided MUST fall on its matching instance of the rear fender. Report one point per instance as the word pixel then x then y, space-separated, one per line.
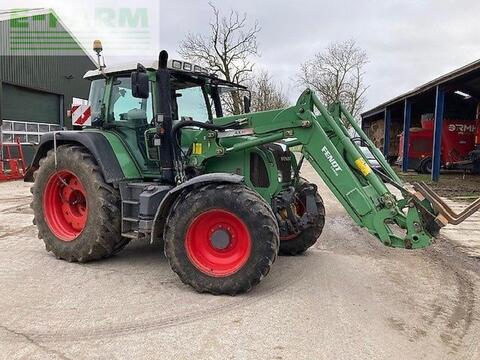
pixel 169 199
pixel 96 144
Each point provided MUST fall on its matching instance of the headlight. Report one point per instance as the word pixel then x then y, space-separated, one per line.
pixel 177 64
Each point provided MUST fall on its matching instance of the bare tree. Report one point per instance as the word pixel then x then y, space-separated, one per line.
pixel 266 94
pixel 227 49
pixel 337 74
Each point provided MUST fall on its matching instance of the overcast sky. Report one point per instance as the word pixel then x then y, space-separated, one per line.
pixel 407 42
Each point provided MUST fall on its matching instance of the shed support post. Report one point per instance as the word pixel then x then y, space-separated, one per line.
pixel 386 133
pixel 437 132
pixel 407 121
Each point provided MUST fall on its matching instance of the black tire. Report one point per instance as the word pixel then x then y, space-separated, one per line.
pixel 307 238
pixel 426 166
pixel 101 234
pixel 244 204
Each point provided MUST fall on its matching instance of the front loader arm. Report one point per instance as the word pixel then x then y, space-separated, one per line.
pixel 409 222
pixel 344 169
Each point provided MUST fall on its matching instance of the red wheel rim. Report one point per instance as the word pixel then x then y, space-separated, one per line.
pixel 300 210
pixel 65 205
pixel 218 243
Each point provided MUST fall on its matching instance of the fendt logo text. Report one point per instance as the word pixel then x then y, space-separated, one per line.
pixel 335 167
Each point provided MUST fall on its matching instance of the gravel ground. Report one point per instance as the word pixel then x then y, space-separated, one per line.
pixel 347 298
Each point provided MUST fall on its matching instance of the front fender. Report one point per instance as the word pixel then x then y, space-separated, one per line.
pixel 169 199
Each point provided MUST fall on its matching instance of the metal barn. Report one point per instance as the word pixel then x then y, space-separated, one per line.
pixel 41 71
pixel 449 102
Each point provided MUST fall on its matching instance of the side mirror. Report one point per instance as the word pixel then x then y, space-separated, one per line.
pixel 140 84
pixel 246 104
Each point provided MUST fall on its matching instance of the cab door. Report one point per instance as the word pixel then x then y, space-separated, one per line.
pixel 130 117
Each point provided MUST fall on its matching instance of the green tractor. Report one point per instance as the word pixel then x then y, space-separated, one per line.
pixel 161 161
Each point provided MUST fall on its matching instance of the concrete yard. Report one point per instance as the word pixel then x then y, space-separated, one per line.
pixel 466 235
pixel 347 298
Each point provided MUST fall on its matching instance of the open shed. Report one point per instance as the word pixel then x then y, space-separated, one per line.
pixel 449 102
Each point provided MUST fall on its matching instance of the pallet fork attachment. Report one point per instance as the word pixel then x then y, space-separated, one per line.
pixel 445 214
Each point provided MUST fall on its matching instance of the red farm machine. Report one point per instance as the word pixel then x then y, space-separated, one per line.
pixel 12 161
pixel 460 148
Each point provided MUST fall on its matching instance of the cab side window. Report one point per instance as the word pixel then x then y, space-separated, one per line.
pixel 125 107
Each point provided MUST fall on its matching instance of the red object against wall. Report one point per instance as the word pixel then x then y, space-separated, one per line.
pixel 458 140
pixel 12 168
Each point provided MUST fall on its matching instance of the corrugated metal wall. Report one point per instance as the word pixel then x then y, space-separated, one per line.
pixel 38 53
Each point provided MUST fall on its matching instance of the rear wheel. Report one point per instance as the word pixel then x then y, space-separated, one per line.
pixel 77 214
pixel 221 239
pixel 295 243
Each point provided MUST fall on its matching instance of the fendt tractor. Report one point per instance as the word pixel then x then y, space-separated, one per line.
pixel 161 161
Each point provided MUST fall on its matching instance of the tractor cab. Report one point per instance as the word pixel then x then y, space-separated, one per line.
pixel 194 93
pixel 127 100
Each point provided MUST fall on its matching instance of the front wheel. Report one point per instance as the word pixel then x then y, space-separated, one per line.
pixel 297 242
pixel 221 238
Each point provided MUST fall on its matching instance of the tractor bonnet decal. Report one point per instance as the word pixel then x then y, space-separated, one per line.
pixel 81 115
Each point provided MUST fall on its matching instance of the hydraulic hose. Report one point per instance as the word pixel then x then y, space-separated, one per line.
pixel 175 131
pixel 202 125
pixel 208 126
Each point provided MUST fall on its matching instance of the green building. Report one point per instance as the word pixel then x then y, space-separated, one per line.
pixel 41 72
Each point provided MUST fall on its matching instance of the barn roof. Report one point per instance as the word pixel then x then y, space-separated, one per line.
pixel 470 74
